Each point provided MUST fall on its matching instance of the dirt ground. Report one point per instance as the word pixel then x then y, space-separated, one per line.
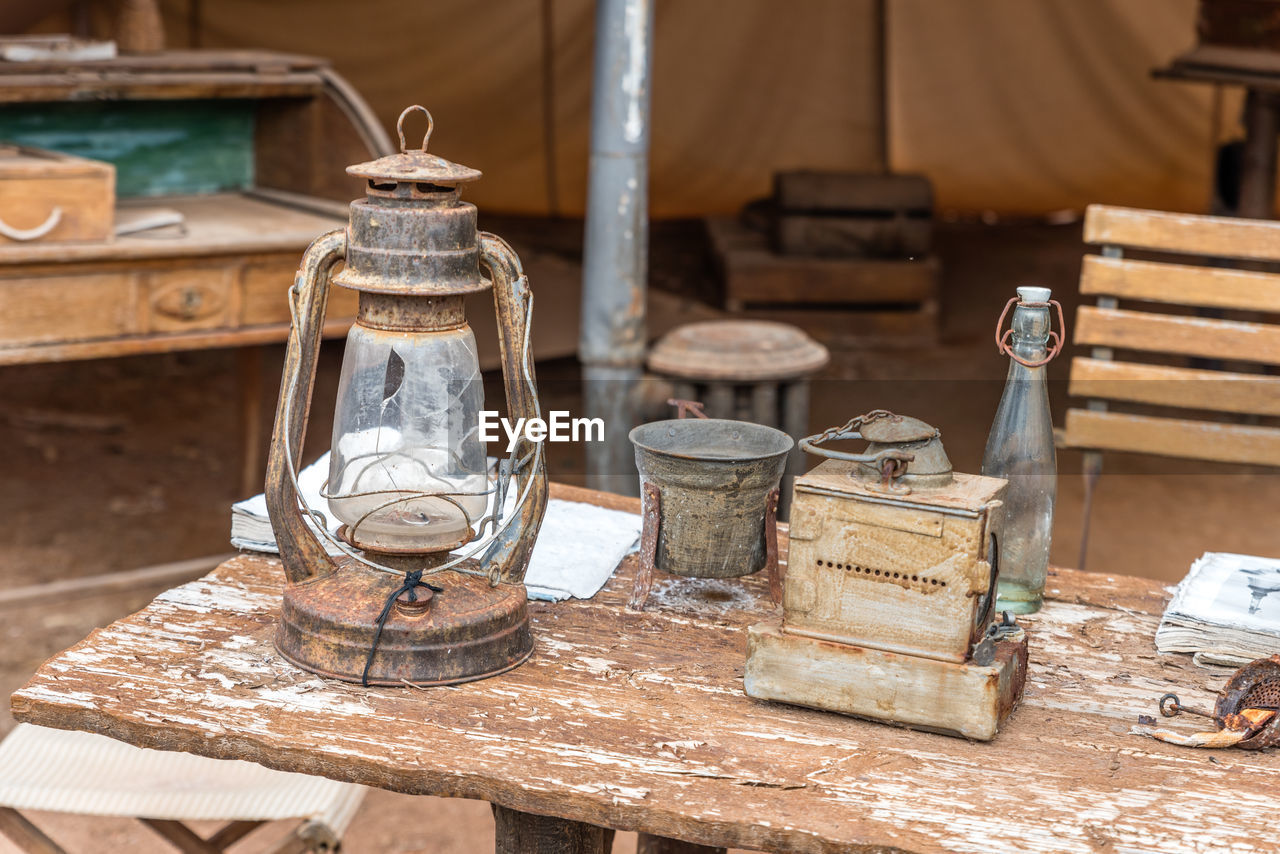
pixel 125 463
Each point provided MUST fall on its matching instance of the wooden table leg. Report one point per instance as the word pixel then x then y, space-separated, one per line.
pixel 233 832
pixel 648 844
pixel 516 832
pixel 180 836
pixel 22 833
pixel 1258 172
pixel 249 376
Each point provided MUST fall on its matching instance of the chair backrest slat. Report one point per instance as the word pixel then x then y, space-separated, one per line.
pixel 1169 437
pixel 1187 336
pixel 1142 322
pixel 1180 284
pixel 1184 234
pixel 1186 388
pixel 1122 331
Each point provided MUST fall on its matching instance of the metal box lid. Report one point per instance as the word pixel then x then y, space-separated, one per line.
pixel 966 495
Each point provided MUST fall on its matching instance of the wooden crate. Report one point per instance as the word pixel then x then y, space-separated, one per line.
pixel 848 214
pixel 858 301
pixel 48 197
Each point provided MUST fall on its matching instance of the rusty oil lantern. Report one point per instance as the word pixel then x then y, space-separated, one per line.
pixel 395 598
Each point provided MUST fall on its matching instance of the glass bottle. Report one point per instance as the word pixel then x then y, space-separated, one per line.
pixel 1020 449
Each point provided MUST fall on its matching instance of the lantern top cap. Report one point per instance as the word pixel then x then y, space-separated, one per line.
pixel 414 165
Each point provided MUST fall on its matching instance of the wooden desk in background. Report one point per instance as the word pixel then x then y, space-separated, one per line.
pixel 173 123
pixel 638 721
pixel 219 281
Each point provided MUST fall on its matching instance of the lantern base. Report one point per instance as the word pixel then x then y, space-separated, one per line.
pixel 469 631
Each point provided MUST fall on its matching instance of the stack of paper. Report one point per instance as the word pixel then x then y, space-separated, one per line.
pixel 250 527
pixel 1226 611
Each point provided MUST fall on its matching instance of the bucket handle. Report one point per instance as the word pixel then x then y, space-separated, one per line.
pixel 684 407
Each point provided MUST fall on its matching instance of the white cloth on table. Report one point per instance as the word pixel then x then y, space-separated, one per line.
pixel 579 545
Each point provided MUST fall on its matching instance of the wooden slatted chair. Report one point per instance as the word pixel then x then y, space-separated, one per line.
pixel 1120 372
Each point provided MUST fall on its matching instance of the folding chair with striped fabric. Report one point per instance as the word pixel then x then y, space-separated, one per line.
pixel 79 772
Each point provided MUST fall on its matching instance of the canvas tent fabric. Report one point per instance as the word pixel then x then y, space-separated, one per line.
pixel 1031 107
pixel 736 86
pixel 1007 105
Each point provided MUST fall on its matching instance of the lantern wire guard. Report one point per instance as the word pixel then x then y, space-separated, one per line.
pixel 413 252
pixel 507 469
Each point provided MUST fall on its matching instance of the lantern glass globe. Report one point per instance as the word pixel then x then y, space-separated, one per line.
pixel 408 472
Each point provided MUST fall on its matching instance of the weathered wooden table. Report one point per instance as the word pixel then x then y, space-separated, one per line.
pixel 638 721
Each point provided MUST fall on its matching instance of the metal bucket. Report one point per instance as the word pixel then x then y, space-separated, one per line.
pixel 713 478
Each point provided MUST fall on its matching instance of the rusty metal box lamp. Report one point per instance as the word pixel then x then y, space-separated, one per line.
pixel 389 600
pixel 889 593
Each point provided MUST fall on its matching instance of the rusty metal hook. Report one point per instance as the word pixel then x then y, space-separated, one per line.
pixel 1170 706
pixel 400 126
pixel 892 468
pixel 1002 338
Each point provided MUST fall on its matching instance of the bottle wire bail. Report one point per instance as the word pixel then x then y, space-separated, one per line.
pixel 1003 335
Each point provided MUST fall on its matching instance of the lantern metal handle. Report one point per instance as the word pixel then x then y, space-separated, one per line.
pixel 509 552
pixel 400 126
pixel 301 551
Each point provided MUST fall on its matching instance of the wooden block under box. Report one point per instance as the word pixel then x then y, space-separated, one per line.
pixel 850 214
pixel 47 197
pixel 852 326
pixel 893 236
pixel 817 191
pixel 966 699
pixel 881 294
